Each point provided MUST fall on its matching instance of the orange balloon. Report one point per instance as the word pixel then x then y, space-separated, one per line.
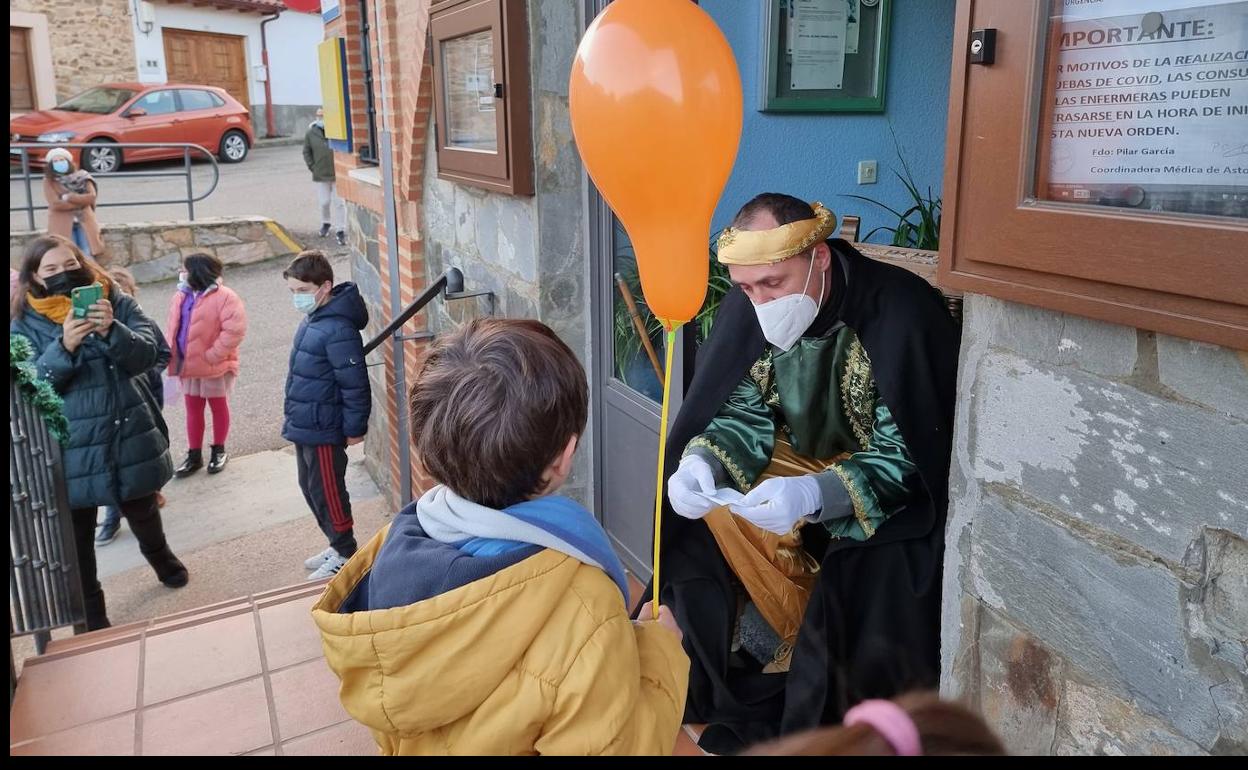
pixel 655 101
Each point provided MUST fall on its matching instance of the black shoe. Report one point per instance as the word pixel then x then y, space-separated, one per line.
pixel 193 462
pixel 342 238
pixel 218 459
pixel 169 570
pixel 324 229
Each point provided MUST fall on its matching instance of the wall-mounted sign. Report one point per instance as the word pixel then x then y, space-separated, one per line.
pixel 330 10
pixel 1147 105
pixel 824 56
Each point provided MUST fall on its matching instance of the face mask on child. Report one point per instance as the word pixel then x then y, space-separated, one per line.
pixel 182 284
pixel 304 303
pixel 60 166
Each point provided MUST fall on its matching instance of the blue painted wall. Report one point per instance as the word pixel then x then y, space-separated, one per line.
pixel 816 156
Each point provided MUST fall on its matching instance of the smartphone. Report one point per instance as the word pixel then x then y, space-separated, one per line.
pixel 84 297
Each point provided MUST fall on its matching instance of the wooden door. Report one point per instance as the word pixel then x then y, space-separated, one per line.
pixel 21 85
pixel 207 59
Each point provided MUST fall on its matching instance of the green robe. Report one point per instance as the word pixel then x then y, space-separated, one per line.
pixel 822 394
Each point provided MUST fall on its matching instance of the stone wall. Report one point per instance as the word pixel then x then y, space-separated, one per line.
pixel 1096 578
pixel 154 250
pixel 529 250
pixel 363 225
pixel 92 41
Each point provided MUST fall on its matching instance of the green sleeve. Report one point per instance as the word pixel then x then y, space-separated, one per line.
pixel 740 437
pixel 863 490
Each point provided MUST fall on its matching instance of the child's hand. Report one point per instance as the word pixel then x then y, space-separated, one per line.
pixel 666 618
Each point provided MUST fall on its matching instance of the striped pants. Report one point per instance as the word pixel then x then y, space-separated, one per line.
pixel 322 478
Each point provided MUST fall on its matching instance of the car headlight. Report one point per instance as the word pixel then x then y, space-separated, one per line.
pixel 56 136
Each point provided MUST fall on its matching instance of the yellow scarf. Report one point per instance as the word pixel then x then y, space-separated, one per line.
pixel 56 308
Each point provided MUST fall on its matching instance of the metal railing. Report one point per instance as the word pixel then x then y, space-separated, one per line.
pixel 449 285
pixel 20 157
pixel 45 591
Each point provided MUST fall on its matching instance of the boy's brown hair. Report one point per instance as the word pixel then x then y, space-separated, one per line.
pixel 494 404
pixel 311 266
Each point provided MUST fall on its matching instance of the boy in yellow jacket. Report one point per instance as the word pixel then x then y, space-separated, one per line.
pixel 491 617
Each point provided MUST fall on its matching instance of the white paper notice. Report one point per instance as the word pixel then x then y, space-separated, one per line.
pixel 818 35
pixel 722 496
pixel 1150 98
pixel 852 20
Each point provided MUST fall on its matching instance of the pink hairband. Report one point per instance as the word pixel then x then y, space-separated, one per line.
pixel 889 720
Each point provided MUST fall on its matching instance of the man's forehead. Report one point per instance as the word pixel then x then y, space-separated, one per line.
pixel 760 220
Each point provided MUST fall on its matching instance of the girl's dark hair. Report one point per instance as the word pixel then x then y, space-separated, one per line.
pixel 945 729
pixel 202 270
pixel 31 259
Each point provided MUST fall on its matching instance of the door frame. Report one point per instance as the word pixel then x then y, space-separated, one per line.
pixel 606 391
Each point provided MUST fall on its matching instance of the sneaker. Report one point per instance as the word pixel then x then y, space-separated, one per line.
pixel 342 238
pixel 324 229
pixel 108 530
pixel 319 559
pixel 329 567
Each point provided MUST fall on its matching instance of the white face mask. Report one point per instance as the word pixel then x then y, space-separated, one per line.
pixel 784 319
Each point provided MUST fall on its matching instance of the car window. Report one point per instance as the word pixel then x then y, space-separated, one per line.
pixel 98 101
pixel 217 101
pixel 194 99
pixel 157 103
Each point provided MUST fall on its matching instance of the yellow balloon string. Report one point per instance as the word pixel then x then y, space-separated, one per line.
pixel 658 484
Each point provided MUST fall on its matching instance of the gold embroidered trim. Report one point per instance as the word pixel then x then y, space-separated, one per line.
pixel 855 497
pixel 858 393
pixel 763 372
pixel 730 465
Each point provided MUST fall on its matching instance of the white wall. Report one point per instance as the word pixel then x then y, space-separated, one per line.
pixel 293 68
pixel 292 38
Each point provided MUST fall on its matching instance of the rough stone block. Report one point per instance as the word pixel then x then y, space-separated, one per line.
pixel 1020 681
pixel 178 236
pixel 1052 337
pixel 159 269
pixel 1207 374
pixel 246 253
pixel 221 236
pixel 1095 721
pixel 1118 617
pixel 1149 470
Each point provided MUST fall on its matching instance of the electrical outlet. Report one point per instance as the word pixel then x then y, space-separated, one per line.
pixel 866 172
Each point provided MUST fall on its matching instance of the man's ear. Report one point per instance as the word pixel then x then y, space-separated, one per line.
pixel 823 256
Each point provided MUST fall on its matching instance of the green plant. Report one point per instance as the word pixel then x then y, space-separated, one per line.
pixel 627 342
pixel 920 233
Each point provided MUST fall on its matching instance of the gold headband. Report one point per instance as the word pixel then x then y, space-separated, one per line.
pixel 767 247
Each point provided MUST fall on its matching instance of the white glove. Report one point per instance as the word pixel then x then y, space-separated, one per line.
pixel 777 504
pixel 694 476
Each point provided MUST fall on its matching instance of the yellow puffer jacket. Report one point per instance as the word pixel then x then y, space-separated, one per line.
pixel 539 658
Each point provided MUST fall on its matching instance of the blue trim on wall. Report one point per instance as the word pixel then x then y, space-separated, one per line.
pixel 816 156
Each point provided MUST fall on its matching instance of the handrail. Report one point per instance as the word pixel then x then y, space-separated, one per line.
pixel 450 285
pixel 23 151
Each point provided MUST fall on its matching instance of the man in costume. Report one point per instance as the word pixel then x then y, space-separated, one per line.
pixel 808 482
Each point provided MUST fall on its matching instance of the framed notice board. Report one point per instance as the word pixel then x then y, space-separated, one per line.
pixel 824 55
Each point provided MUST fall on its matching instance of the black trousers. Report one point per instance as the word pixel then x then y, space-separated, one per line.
pixel 143 516
pixel 323 481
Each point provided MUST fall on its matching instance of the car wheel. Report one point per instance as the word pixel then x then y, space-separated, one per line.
pixel 233 147
pixel 101 156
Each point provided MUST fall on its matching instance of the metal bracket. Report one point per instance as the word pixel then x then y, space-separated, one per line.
pixel 458 295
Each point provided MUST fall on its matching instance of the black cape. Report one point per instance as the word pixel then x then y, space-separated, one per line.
pixel 872 626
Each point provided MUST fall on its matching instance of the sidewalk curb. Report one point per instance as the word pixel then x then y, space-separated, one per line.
pixel 278 141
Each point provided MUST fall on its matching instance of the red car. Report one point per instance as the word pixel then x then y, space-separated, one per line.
pixel 137 112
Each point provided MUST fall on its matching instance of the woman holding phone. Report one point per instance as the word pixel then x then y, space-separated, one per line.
pixel 118 448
